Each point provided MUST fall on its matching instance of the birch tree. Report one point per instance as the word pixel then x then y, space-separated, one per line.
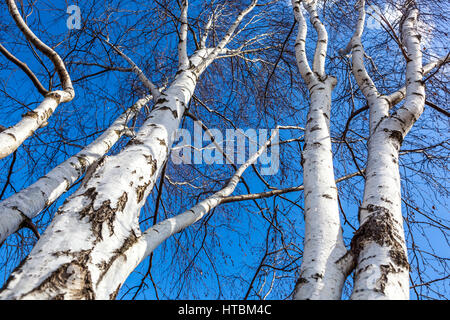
pixel 378 249
pixel 12 137
pixel 347 97
pixel 321 277
pixel 379 244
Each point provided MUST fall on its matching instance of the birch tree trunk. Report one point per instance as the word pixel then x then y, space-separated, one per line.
pixel 382 270
pixel 322 274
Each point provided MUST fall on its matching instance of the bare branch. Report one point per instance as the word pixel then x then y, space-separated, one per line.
pixel 183 60
pixel 58 63
pixel 25 69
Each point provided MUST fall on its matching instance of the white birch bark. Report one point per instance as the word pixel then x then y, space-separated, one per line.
pixel 29 202
pixel 322 273
pixel 382 269
pixel 14 136
pixel 183 60
pixel 100 220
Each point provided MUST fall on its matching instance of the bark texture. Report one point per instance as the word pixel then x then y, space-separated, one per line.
pixel 322 273
pixel 382 269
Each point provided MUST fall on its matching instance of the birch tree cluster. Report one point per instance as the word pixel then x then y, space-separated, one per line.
pixel 348 101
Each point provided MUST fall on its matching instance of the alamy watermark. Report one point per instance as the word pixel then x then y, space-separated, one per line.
pixel 235 146
pixel 74 19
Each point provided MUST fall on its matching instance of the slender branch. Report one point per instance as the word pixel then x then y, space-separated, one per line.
pixel 300 47
pixel 25 69
pixel 147 83
pixel 320 53
pixel 400 94
pixel 226 38
pixel 277 192
pixel 437 108
pixel 58 63
pixel 183 60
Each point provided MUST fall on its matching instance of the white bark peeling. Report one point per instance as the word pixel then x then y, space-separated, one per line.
pixel 29 202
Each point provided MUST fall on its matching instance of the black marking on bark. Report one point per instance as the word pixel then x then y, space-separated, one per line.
pixel 91 169
pixel 161 141
pixel 153 163
pixel 317 276
pixel 47 114
pixel 384 270
pixel 313 86
pixel 105 266
pixel 380 228
pixel 315 128
pixel 31 114
pixel 61 283
pixel 140 191
pixel 174 112
pixel 12 135
pixel 386 200
pixel 134 142
pixel 83 162
pixel 301 280
pixel 55 96
pixel 161 101
pixel 397 136
pixel 103 214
